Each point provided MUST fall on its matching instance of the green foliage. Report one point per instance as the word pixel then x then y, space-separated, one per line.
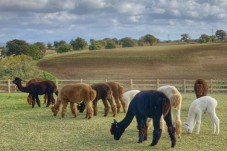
pixel 20 66
pixel 95 45
pixel 221 35
pixel 204 38
pixel 78 44
pixel 20 47
pixel 110 44
pixel 185 37
pixel 49 45
pixel 127 42
pixel 57 44
pixel 64 48
pixel 148 39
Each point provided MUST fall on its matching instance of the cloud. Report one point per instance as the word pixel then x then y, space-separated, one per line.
pixel 46 20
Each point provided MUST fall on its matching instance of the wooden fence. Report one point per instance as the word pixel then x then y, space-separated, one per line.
pixel 184 86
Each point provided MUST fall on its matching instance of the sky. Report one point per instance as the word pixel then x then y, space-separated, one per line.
pixel 55 20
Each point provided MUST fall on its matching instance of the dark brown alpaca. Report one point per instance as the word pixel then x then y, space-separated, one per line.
pixel 29 98
pixel 200 88
pixel 104 93
pixel 38 88
pixel 118 91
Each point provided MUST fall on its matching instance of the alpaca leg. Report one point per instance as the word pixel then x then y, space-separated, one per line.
pixel 178 123
pixel 198 121
pixel 73 108
pixel 171 129
pixel 142 128
pixel 45 98
pixel 38 101
pixel 95 107
pixel 162 124
pixel 215 122
pixel 106 107
pixel 29 99
pixel 123 103
pixel 64 109
pixel 113 107
pixel 89 109
pixel 157 131
pixel 48 100
pixel 33 101
pixel 118 104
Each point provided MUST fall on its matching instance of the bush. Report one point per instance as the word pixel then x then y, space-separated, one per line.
pixel 21 66
pixel 64 48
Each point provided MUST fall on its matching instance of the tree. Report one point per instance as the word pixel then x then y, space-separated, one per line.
pixel 185 37
pixel 127 42
pixel 148 39
pixel 64 48
pixel 78 43
pixel 49 45
pixel 110 44
pixel 59 43
pixel 204 38
pixel 19 47
pixel 95 45
pixel 221 35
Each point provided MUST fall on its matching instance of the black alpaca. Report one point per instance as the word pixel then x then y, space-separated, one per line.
pixel 145 104
pixel 38 88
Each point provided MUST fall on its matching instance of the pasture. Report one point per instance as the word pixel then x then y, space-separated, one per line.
pixel 189 61
pixel 24 128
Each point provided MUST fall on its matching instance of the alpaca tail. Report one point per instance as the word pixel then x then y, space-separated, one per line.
pixel 92 94
pixel 166 106
pixel 176 100
pixel 109 94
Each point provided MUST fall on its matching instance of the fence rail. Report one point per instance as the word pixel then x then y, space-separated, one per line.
pixel 184 86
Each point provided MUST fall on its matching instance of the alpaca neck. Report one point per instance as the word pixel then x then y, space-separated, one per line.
pixel 126 121
pixel 191 118
pixel 21 88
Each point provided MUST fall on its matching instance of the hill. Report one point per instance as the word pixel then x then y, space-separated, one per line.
pixel 189 61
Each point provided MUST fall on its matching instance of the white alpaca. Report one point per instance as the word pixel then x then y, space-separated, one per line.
pixel 205 104
pixel 128 96
pixel 175 99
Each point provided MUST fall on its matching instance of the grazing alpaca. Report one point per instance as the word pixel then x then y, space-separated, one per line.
pixel 103 92
pixel 117 95
pixel 205 104
pixel 74 94
pixel 29 98
pixel 176 100
pixel 38 88
pixel 200 88
pixel 128 96
pixel 145 104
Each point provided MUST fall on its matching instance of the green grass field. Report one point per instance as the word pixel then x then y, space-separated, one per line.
pixel 24 128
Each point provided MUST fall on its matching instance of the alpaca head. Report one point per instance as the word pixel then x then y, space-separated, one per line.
pixel 116 131
pixel 17 80
pixel 54 109
pixel 187 128
pixel 81 107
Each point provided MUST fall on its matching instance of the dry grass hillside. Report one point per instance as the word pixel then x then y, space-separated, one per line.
pixel 190 61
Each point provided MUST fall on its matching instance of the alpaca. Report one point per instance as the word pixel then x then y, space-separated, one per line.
pixel 38 88
pixel 176 100
pixel 205 104
pixel 128 96
pixel 74 94
pixel 103 92
pixel 29 98
pixel 117 90
pixel 152 104
pixel 200 88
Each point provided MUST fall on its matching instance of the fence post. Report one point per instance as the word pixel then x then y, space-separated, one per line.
pixel 184 86
pixel 81 80
pixel 157 83
pixel 131 84
pixel 211 86
pixel 8 85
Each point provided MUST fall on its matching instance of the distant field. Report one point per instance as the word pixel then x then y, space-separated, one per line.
pixel 189 61
pixel 23 128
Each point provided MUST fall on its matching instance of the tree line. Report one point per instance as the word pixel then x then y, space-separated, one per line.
pixel 37 50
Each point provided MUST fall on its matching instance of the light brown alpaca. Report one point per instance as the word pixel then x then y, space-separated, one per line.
pixel 118 91
pixel 74 94
pixel 29 98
